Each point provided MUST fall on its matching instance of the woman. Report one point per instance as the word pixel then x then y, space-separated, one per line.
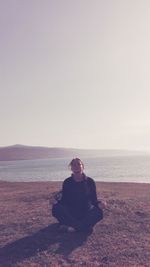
pixel 78 209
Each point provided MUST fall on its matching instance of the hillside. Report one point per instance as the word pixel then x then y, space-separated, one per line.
pixel 21 152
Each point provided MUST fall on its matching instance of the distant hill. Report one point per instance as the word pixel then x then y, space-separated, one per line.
pixel 21 152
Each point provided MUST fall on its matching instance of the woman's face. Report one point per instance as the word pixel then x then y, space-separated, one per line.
pixel 77 167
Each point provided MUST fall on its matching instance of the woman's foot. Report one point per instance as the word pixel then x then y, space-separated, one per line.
pixel 71 229
pixel 65 228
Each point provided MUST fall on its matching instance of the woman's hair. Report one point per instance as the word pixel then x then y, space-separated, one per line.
pixel 74 160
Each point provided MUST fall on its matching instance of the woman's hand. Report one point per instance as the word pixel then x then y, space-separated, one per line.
pixel 102 204
pixel 55 197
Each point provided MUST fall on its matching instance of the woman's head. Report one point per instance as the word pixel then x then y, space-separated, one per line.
pixel 77 166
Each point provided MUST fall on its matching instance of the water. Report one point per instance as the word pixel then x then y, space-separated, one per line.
pixel 115 169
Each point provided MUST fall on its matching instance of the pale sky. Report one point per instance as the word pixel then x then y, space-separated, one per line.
pixel 75 73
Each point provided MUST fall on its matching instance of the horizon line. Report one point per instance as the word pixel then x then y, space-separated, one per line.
pixel 60 147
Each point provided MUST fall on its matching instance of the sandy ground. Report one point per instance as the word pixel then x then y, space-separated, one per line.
pixel 29 236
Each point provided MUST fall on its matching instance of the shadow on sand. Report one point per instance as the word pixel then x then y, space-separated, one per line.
pixel 46 239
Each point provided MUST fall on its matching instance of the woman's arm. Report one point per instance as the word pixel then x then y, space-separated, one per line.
pixel 65 192
pixel 96 202
pixel 63 198
pixel 93 193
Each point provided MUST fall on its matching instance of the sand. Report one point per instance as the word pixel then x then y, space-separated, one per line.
pixel 29 236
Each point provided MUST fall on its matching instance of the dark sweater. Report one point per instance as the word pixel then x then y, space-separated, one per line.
pixel 78 197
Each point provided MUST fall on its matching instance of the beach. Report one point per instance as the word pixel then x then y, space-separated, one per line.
pixel 29 234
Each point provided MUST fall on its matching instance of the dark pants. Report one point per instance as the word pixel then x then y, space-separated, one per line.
pixel 92 216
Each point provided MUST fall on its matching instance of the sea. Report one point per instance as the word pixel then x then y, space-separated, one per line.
pixel 134 169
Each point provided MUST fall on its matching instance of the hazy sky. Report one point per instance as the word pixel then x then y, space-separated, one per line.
pixel 75 73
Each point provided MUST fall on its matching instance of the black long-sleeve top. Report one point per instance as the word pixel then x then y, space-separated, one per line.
pixel 78 197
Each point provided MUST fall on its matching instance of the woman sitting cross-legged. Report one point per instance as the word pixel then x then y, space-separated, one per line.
pixel 78 209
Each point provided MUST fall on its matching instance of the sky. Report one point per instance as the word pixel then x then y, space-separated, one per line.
pixel 75 73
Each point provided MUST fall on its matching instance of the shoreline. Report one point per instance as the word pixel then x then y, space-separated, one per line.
pixel 61 181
